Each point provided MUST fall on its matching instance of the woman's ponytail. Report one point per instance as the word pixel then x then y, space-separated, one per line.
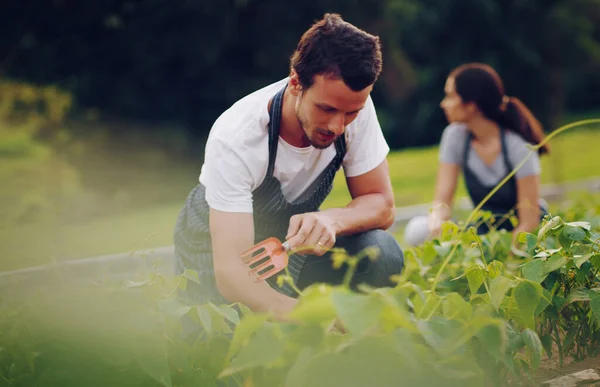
pixel 518 117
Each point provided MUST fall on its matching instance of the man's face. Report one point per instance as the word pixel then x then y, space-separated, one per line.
pixel 325 109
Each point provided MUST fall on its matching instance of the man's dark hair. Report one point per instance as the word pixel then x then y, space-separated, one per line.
pixel 337 48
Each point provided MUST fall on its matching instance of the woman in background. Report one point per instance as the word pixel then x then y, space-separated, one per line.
pixel 487 137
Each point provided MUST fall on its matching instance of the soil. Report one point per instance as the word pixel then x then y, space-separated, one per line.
pixel 550 368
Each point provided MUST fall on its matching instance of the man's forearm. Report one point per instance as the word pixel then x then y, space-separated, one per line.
pixel 367 212
pixel 237 286
pixel 231 234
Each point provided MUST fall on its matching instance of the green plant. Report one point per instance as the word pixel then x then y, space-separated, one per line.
pixel 565 260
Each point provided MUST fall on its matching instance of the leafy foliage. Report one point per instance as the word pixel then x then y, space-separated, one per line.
pixel 490 319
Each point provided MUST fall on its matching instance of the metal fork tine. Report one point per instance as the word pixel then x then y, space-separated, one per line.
pixel 248 253
pixel 251 260
pixel 261 267
pixel 266 275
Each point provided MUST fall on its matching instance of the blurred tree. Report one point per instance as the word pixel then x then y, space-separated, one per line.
pixel 535 45
pixel 186 61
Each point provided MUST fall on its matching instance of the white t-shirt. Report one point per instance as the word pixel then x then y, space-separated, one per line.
pixel 237 155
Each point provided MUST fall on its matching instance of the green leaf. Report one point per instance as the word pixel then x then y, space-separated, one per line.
pixel 152 358
pixel 454 307
pixel 555 262
pixel 534 346
pixel 264 348
pixel 243 331
pixel 173 308
pixel 357 312
pixel 205 318
pixel 534 271
pixel 523 236
pixel 532 241
pixel 546 340
pixel 192 275
pixel 550 227
pixel 558 302
pixel 545 301
pixel 475 276
pixel 315 305
pixel 595 302
pixel 297 375
pixel 527 295
pixel 595 261
pixel 426 305
pixel 361 364
pixel 564 241
pixel 438 331
pixel 581 259
pixel 498 288
pixel 495 268
pixel 583 273
pixel 226 311
pixel 574 233
pixel 578 295
pixel 429 253
pixel 584 225
pixel 443 249
pixel 494 340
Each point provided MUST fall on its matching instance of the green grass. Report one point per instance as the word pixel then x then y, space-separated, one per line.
pixel 575 156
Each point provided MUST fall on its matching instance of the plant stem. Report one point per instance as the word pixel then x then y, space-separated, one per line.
pixel 558 344
pixel 291 282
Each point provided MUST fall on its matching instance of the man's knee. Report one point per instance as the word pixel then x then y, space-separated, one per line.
pixel 384 242
pixel 388 257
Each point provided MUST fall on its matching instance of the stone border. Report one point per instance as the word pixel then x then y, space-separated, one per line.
pixel 586 377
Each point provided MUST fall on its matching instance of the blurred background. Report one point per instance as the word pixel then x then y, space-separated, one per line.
pixel 105 105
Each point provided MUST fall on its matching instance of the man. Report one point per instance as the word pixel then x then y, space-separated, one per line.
pixel 270 161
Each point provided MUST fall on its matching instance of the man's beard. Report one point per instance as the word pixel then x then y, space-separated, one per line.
pixel 307 139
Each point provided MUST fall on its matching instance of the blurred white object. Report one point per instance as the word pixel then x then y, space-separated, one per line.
pixel 416 231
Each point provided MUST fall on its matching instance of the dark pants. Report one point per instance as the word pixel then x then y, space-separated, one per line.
pixel 389 261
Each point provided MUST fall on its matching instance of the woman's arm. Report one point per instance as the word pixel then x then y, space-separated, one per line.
pixel 445 188
pixel 527 204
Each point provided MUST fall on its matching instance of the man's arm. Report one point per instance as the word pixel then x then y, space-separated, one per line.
pixel 372 205
pixel 233 233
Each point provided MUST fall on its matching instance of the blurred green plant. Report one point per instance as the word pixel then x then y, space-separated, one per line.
pixel 36 180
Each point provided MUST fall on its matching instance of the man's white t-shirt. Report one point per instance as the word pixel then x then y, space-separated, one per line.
pixel 237 154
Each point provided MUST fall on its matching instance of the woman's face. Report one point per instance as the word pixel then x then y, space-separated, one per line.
pixel 453 106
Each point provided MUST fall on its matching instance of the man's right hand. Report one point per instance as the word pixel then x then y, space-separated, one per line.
pixel 233 233
pixel 311 233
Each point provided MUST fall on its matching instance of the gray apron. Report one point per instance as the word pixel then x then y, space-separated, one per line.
pixel 503 201
pixel 272 212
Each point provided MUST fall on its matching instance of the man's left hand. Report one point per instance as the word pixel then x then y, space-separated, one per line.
pixel 311 233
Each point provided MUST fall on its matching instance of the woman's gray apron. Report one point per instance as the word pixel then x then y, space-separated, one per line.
pixel 503 201
pixel 272 212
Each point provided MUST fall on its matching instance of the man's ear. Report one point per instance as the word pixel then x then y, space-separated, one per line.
pixel 294 83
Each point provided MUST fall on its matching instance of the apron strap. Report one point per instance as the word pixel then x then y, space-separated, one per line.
pixel 274 125
pixel 505 151
pixel 467 147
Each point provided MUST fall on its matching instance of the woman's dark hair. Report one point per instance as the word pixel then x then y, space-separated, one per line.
pixel 480 83
pixel 334 47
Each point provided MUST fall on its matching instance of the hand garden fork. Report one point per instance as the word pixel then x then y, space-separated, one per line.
pixel 270 257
